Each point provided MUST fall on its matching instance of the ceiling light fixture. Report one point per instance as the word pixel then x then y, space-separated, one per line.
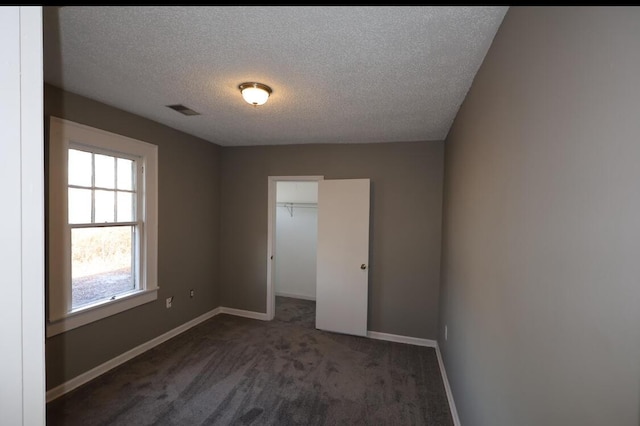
pixel 255 93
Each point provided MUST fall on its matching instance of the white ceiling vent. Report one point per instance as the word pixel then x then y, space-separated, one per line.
pixel 183 109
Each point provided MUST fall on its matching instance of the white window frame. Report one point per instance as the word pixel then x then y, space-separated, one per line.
pixel 63 135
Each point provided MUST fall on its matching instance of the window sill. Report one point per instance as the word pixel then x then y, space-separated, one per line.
pixel 99 311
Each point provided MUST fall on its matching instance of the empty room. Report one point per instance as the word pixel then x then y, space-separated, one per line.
pixel 315 215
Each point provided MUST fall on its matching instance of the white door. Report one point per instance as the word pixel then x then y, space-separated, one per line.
pixel 342 285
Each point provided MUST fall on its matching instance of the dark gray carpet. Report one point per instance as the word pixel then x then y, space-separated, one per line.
pixel 237 371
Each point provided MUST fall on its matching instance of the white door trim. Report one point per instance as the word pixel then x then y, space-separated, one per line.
pixel 22 389
pixel 271 241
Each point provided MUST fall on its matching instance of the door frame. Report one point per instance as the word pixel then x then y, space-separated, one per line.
pixel 22 390
pixel 271 231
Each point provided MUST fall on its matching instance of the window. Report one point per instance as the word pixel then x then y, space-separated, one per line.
pixel 102 224
pixel 105 231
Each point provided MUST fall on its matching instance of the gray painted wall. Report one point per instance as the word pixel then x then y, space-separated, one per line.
pixel 406 208
pixel 188 202
pixel 541 253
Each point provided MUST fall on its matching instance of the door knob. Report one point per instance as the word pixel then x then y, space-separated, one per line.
pixel 363 266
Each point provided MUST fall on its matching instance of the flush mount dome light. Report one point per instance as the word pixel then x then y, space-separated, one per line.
pixel 255 93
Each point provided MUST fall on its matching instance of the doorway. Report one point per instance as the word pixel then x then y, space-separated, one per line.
pixel 292 236
pixel 341 251
pixel 296 235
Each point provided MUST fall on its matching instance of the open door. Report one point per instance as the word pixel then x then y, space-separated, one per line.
pixel 342 285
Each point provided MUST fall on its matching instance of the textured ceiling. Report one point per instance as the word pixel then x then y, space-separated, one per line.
pixel 338 74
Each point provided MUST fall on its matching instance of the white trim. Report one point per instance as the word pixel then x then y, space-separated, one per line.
pixel 246 314
pixel 87 376
pixel 402 339
pixel 431 344
pixel 63 135
pixel 271 241
pixel 447 388
pixel 101 310
pixel 295 296
pixel 122 358
pixel 22 370
pixel 32 209
pixel 112 141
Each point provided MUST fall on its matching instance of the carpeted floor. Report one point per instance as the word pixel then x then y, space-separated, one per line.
pixel 237 371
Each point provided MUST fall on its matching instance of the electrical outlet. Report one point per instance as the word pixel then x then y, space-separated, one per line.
pixel 191 293
pixel 445 332
pixel 169 300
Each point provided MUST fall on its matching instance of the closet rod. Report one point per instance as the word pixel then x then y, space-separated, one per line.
pixel 290 206
pixel 307 205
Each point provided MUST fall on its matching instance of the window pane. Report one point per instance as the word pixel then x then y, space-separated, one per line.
pixel 105 171
pixel 105 207
pixel 79 168
pixel 125 207
pixel 79 205
pixel 101 265
pixel 125 174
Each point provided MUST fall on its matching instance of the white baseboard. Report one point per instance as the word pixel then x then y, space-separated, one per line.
pixel 431 344
pixel 295 296
pixel 87 376
pixel 402 339
pixel 242 313
pixel 447 388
